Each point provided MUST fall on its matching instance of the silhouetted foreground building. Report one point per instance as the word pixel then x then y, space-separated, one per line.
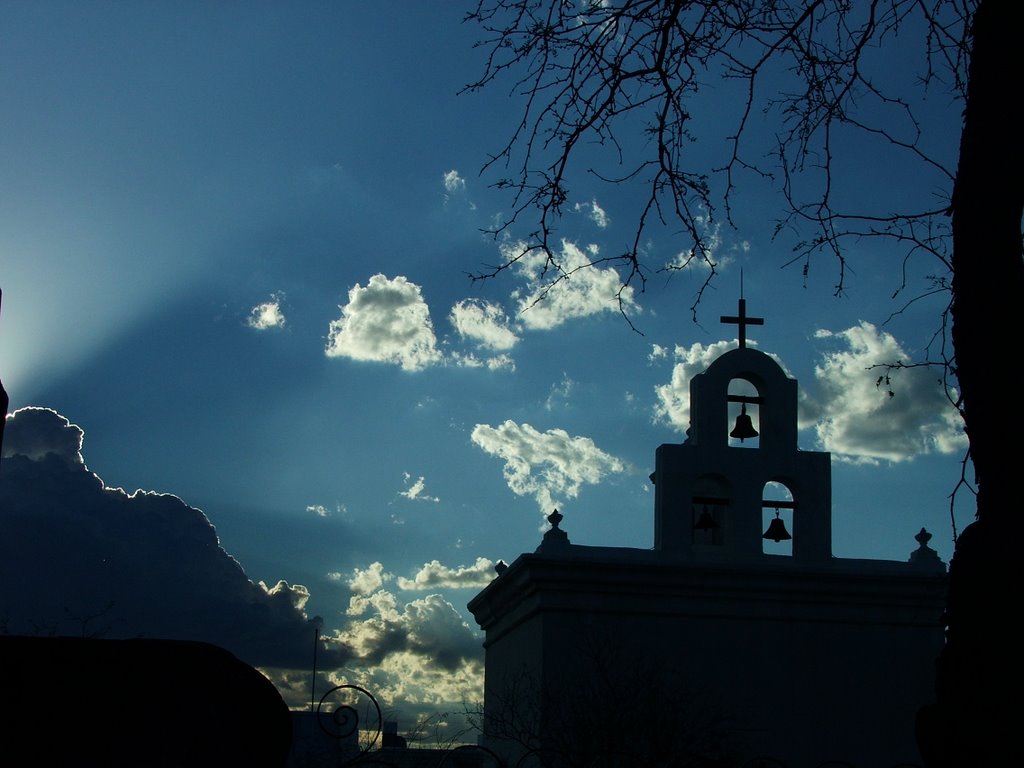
pixel 710 643
pixel 96 703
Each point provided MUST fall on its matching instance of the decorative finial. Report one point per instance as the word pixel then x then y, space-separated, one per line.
pixel 500 567
pixel 924 555
pixel 555 518
pixel 554 538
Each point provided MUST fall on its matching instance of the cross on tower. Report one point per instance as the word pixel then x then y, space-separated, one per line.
pixel 742 321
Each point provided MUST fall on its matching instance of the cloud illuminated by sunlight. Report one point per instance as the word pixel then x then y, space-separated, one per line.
pixel 38 432
pixel 545 465
pixel 430 627
pixel 366 581
pixel 585 288
pixel 453 182
pixel 125 550
pixel 420 654
pixel 483 323
pixel 673 406
pixel 501 362
pixel 594 212
pixel 387 321
pixel 859 421
pixel 850 415
pixel 434 575
pixel 415 492
pixel 412 689
pixel 267 314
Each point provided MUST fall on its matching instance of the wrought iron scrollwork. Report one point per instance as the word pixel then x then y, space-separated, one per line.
pixel 351 713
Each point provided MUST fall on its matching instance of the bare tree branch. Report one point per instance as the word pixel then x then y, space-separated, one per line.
pixel 628 74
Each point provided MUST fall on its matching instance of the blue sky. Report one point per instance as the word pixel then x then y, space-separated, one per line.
pixel 234 247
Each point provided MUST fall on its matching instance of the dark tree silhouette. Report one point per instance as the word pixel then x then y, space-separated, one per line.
pixel 629 77
pixel 604 713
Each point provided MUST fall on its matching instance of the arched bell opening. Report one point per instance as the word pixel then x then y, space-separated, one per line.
pixel 744 414
pixel 777 518
pixel 709 508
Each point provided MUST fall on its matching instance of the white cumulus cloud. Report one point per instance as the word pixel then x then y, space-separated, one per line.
pixel 578 288
pixel 859 421
pixel 267 315
pixel 490 362
pixel 366 581
pixel 545 465
pixel 453 182
pixel 595 212
pixel 673 404
pixel 658 352
pixel 434 575
pixel 387 321
pixel 483 323
pixel 416 489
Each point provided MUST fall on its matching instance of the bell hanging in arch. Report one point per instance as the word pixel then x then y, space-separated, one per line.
pixel 705 522
pixel 744 426
pixel 777 530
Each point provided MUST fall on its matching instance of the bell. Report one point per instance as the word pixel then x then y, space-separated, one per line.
pixel 744 426
pixel 777 530
pixel 705 522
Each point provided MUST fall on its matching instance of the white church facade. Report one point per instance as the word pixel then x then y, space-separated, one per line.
pixel 710 643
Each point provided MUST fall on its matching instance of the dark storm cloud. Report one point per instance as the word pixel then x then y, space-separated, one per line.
pixel 80 558
pixel 36 432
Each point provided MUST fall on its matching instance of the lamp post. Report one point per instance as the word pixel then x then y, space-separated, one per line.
pixel 317 624
pixel 4 402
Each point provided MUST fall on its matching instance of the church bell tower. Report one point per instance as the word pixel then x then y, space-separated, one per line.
pixel 738 489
